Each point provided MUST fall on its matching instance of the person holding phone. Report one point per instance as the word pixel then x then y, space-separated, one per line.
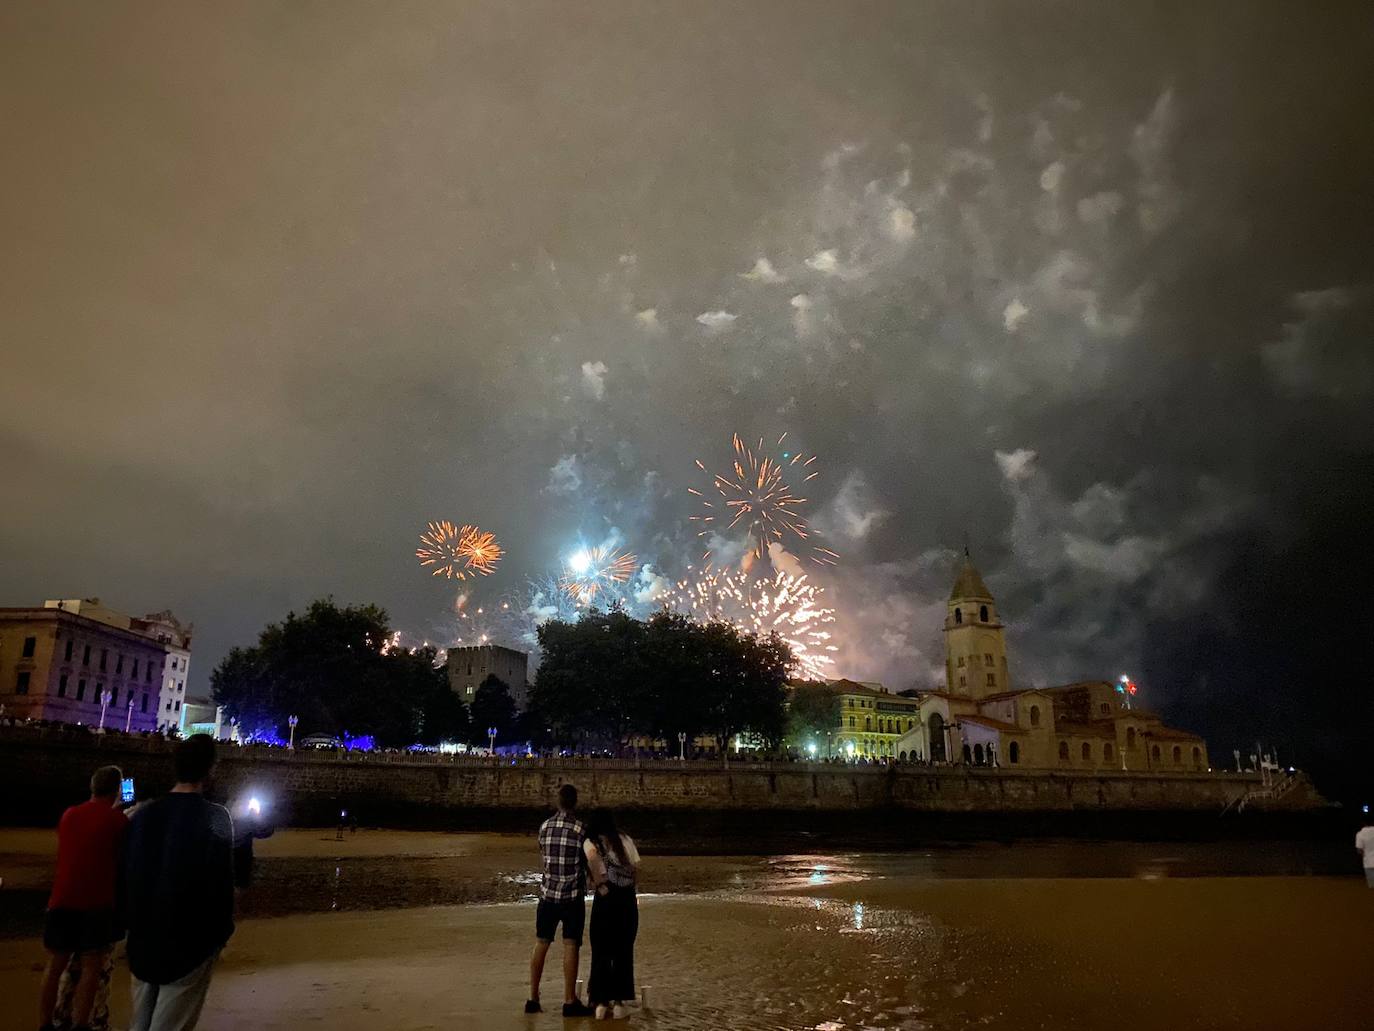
pixel 81 921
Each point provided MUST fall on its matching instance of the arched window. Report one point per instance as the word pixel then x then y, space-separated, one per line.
pixel 1035 715
pixel 901 757
pixel 1107 751
pixel 1178 755
pixel 983 613
pixel 1087 752
pixel 1064 751
pixel 1014 753
pixel 961 662
pixel 852 720
pixel 958 615
pixel 868 723
pixel 1154 753
pixel 1197 757
pixel 1104 708
pixel 978 754
pixel 1130 737
pixel 968 755
pixel 936 737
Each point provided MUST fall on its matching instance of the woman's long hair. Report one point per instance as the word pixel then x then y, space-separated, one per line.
pixel 601 827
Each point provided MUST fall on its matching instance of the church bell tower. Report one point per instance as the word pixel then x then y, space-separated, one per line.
pixel 975 645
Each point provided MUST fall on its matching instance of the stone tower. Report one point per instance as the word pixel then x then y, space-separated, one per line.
pixel 975 644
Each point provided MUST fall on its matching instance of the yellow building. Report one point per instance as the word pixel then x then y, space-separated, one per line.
pixel 872 720
pixel 979 720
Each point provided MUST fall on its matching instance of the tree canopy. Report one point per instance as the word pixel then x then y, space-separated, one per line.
pixel 331 667
pixel 608 677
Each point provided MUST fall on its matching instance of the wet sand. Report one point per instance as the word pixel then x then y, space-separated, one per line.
pixel 832 944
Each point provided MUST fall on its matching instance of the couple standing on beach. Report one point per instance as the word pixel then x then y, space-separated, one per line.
pixel 574 851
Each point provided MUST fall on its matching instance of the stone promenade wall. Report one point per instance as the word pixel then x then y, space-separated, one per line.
pixel 45 769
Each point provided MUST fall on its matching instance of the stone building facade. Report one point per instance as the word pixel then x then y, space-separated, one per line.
pixel 469 666
pixel 980 720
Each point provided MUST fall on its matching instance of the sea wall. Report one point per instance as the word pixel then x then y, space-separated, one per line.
pixel 44 770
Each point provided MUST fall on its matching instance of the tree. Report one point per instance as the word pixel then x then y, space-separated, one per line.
pixel 813 714
pixel 492 706
pixel 331 667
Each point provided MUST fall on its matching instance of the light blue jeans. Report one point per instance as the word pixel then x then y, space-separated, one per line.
pixel 171 1007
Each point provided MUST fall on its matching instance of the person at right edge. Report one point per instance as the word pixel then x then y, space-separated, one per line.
pixel 177 893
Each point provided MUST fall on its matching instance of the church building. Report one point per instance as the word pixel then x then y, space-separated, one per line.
pixel 981 719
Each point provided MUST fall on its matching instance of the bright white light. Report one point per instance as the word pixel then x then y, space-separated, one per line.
pixel 811 748
pixel 580 562
pixel 254 806
pixel 849 748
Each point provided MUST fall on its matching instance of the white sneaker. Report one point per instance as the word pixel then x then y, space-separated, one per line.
pixel 619 1011
pixel 602 1012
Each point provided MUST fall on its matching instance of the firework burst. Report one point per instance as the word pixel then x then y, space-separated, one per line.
pixel 791 606
pixel 593 571
pixel 759 495
pixel 458 552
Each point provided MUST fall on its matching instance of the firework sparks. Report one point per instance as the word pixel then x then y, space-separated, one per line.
pixel 791 606
pixel 759 495
pixel 591 571
pixel 458 552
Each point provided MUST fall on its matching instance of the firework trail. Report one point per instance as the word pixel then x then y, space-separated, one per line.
pixel 759 495
pixel 791 606
pixel 594 571
pixel 458 553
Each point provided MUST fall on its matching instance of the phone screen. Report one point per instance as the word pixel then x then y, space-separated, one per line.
pixel 126 789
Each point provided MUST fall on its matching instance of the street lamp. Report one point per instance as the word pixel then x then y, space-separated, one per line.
pixel 129 719
pixel 491 740
pixel 291 722
pixel 105 697
pixel 682 746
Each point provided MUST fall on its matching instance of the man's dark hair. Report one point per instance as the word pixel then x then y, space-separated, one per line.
pixel 567 797
pixel 105 781
pixel 194 758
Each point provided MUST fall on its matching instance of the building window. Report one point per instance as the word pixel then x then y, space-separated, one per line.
pixel 62 686
pixel 30 643
pixel 81 690
pixel 983 613
pixel 1178 755
pixel 1197 757
pixel 958 615
pixel 181 686
pixel 992 680
pixel 70 644
pixel 978 755
pixel 852 722
pixel 133 672
pixel 148 673
pixel 144 707
pixel 167 707
pixel 987 658
pixel 961 662
pixel 178 705
pixel 119 663
pixel 1154 753
pixel 86 656
pixel 21 682
pixel 1035 715
pixel 1014 753
pixel 114 696
pixel 104 657
pixel 1087 752
pixel 1064 751
pixel 963 681
pixel 1107 751
pixel 1130 737
pixel 868 723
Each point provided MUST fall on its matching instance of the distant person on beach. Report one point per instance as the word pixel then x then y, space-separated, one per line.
pixel 1364 842
pixel 82 923
pixel 178 891
pixel 613 862
pixel 561 889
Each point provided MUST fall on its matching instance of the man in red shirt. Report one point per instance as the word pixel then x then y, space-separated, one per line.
pixel 81 910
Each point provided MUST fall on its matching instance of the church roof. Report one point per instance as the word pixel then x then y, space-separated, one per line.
pixel 1000 726
pixel 969 584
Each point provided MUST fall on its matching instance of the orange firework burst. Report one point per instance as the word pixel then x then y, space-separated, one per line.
pixel 458 552
pixel 758 495
pixel 590 570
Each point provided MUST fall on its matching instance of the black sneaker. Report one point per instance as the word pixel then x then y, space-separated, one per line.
pixel 532 1006
pixel 576 1009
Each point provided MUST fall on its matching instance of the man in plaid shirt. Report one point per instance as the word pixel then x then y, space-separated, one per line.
pixel 561 892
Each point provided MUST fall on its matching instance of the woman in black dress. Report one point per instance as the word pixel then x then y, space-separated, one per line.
pixel 613 862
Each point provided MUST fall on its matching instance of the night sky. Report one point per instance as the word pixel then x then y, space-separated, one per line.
pixel 1090 288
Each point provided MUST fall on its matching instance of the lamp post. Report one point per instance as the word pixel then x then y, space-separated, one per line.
pixel 491 740
pixel 681 746
pixel 291 722
pixel 105 697
pixel 129 718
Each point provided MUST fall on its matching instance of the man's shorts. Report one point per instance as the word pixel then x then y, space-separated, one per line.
pixel 571 913
pixel 80 930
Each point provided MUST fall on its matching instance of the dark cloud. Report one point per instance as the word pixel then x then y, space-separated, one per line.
pixel 1090 287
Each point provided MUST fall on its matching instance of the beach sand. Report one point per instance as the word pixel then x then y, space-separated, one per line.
pixel 894 952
